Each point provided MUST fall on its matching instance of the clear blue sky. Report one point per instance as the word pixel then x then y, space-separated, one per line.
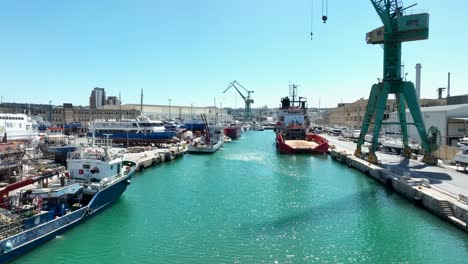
pixel 191 50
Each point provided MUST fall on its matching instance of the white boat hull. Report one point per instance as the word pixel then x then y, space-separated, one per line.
pixel 202 148
pixel 462 156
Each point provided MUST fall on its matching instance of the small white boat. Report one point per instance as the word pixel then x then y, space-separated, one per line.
pixel 462 156
pixel 462 142
pixel 258 128
pixel 393 144
pixel 227 139
pixel 57 189
pixel 211 140
pixel 199 146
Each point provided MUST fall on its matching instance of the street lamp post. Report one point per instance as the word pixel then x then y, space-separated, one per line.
pixel 191 117
pixel 169 107
pixel 50 112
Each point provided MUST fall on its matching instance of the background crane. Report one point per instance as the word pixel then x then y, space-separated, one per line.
pixel 247 99
pixel 397 28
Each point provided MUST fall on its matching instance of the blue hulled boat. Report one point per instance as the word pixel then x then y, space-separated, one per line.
pixel 132 131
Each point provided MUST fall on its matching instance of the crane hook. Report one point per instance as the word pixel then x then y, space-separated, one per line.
pixel 324 19
pixel 324 11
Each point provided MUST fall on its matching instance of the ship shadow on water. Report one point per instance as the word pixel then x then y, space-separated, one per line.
pixel 361 205
pixel 314 214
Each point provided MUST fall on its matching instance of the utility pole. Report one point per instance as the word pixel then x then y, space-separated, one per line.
pixel 169 107
pixel 141 103
pixel 191 117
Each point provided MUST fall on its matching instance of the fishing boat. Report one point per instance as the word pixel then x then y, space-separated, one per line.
pixel 137 131
pixel 293 135
pixel 194 125
pixel 57 144
pixel 233 131
pixel 40 208
pixel 211 140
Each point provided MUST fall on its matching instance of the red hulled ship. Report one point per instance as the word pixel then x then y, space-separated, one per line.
pixel 292 130
pixel 233 131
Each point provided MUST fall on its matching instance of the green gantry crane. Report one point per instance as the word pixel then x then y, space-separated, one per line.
pixel 397 28
pixel 247 99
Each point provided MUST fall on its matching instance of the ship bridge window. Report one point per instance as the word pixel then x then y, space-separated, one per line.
pixel 86 166
pixel 134 125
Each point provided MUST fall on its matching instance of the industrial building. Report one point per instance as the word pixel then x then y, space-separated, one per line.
pixel 451 120
pixel 352 114
pixel 67 113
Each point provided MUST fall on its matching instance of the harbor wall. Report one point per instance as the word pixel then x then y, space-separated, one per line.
pixel 446 205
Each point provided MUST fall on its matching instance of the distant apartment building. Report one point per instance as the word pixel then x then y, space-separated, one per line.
pixel 97 98
pixel 112 100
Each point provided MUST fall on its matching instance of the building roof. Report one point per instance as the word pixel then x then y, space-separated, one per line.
pixel 442 108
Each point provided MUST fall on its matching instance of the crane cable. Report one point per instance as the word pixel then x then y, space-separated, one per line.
pixel 324 15
pixel 311 19
pixel 324 11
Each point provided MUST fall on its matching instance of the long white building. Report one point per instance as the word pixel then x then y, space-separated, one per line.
pixel 451 120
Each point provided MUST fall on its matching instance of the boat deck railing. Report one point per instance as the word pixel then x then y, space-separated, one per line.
pixel 15 211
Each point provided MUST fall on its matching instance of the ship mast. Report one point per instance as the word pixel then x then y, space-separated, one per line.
pixel 141 103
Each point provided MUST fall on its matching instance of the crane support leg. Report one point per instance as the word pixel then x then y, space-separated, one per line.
pixel 413 105
pixel 401 108
pixel 379 112
pixel 370 109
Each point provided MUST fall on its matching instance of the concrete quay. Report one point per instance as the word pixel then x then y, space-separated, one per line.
pixel 442 191
pixel 150 157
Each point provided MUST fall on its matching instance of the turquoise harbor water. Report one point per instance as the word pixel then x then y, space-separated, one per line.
pixel 248 204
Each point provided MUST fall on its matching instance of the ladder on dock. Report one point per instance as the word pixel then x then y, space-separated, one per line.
pixel 447 209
